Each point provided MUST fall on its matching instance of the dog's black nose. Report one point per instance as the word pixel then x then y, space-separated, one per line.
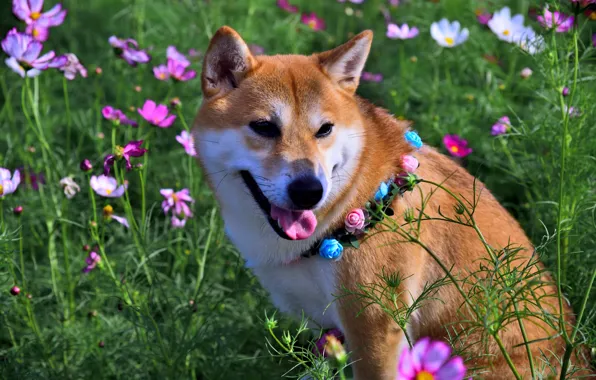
pixel 305 192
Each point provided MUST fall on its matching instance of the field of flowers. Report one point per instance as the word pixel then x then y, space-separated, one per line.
pixel 113 259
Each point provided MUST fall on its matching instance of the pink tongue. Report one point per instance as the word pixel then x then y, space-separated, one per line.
pixel 298 225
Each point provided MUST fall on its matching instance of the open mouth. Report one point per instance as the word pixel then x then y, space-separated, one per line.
pixel 288 224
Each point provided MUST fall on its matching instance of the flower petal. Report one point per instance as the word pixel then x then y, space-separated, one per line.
pixel 454 369
pixel 33 51
pixel 436 355
pixel 167 122
pixel 405 367
pixel 15 66
pixel 35 5
pixel 418 352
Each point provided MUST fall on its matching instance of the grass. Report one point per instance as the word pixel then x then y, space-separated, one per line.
pixel 169 303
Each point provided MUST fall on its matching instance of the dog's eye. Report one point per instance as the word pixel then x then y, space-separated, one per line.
pixel 265 128
pixel 324 131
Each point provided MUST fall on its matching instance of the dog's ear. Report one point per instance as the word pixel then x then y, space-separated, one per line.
pixel 344 64
pixel 227 61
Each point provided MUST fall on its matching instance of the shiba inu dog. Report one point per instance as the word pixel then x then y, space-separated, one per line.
pixel 289 149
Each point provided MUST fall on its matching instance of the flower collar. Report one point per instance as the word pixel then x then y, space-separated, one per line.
pixel 359 221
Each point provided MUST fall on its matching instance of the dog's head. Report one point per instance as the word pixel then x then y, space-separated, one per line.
pixel 287 128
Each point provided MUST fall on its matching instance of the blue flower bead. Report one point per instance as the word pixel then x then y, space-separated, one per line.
pixel 382 192
pixel 413 138
pixel 331 249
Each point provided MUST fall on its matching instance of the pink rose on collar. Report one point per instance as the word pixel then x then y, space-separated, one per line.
pixel 409 163
pixel 355 220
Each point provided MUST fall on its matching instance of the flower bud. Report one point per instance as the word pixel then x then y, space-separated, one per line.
pixel 86 165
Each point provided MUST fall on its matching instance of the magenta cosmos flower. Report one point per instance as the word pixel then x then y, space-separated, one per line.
pixel 177 203
pixel 187 142
pixel 501 126
pixel 313 21
pixel 456 145
pixel 8 185
pixel 107 186
pixel 430 361
pixel 483 17
pixel 116 116
pixel 132 149
pixel 157 114
pixel 91 261
pixel 30 12
pixel 403 32
pixel 129 51
pixel 24 57
pixel 319 347
pixel 286 6
pixel 556 20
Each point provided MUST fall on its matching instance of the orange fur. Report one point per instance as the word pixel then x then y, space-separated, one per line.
pixel 246 89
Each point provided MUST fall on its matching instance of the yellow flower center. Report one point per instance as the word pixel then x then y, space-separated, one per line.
pixel 108 191
pixel 592 16
pixel 424 376
pixel 1 190
pixel 162 76
pixel 35 15
pixel 312 24
pixel 175 197
pixel 108 211
pixel 449 41
pixel 506 32
pixel 454 149
pixel 119 151
pixel 35 32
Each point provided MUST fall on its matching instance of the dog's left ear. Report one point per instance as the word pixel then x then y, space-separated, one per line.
pixel 344 64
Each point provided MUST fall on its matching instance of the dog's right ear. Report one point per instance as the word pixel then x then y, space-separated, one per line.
pixel 227 61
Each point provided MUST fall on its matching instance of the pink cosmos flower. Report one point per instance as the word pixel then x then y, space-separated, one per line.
pixel 178 71
pixel 24 54
pixel 128 50
pixel 319 347
pixel 313 21
pixel 178 223
pixel 556 20
pixel 371 77
pixel 355 220
pixel 132 149
pixel 456 145
pixel 409 163
pixel 501 126
pixel 72 67
pixel 286 6
pixel 117 116
pixel 187 142
pixel 8 185
pixel 156 114
pixel 430 360
pixel 38 32
pixel 352 1
pixel 30 12
pixel 107 186
pixel 161 72
pixel 401 32
pixel 92 260
pixel 173 54
pixel 177 201
pixel 394 3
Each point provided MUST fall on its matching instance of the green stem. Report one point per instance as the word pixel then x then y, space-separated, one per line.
pixel 570 347
pixel 21 256
pixel 507 357
pixel 69 284
pixel 68 115
pixel 525 337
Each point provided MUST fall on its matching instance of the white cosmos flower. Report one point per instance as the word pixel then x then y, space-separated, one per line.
pixel 448 34
pixel 528 40
pixel 505 26
pixel 70 187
